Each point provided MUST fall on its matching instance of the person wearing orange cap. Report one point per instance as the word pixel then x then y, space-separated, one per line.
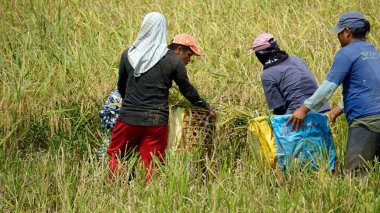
pixel 184 46
pixel 146 72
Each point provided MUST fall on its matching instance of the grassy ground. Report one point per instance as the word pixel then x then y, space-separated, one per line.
pixel 59 60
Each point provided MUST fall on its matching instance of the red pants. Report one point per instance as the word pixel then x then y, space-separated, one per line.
pixel 149 140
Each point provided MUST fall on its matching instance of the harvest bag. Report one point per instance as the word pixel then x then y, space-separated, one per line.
pixel 312 145
pixel 260 126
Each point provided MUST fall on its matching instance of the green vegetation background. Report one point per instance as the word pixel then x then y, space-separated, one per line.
pixel 59 60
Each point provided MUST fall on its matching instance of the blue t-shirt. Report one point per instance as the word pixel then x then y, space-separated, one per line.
pixel 357 67
pixel 289 84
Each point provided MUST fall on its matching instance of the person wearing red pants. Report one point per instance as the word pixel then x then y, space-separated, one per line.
pixel 146 72
pixel 149 140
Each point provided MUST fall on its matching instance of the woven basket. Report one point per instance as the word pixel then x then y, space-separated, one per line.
pixel 190 127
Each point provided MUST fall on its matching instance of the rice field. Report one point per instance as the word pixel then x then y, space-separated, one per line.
pixel 59 60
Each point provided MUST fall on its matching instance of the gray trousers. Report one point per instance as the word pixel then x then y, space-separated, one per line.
pixel 362 145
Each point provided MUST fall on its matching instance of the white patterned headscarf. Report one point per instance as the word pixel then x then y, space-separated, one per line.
pixel 150 45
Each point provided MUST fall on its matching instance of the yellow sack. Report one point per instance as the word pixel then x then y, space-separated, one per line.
pixel 262 129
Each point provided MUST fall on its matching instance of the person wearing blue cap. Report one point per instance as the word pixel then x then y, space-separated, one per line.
pixel 357 67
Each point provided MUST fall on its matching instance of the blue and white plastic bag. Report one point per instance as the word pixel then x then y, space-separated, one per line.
pixel 312 145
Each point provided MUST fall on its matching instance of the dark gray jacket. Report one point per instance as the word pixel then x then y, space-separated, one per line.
pixel 145 98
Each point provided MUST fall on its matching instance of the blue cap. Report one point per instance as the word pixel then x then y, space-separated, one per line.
pixel 352 20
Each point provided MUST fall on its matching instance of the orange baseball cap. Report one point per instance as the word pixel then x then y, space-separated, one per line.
pixel 186 40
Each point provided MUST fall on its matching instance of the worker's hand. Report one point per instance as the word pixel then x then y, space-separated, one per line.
pixel 297 117
pixel 334 113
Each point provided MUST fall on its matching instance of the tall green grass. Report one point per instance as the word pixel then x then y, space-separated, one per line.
pixel 59 60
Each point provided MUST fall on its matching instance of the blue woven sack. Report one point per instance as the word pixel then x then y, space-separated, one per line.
pixel 310 146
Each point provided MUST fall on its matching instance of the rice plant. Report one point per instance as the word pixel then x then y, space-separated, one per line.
pixel 59 60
